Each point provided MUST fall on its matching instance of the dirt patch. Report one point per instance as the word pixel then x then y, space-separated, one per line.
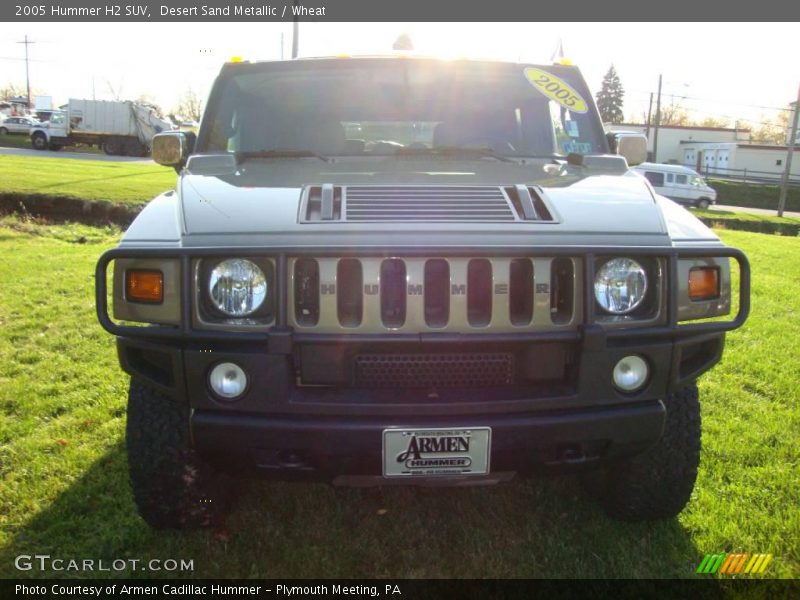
pixel 64 208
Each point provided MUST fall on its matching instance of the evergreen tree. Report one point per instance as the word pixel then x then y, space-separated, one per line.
pixel 610 98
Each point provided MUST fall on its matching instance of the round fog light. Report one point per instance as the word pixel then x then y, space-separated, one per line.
pixel 227 380
pixel 630 373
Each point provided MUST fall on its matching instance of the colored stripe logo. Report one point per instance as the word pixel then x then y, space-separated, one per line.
pixel 734 564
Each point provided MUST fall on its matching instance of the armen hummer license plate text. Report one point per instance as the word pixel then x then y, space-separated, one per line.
pixel 429 452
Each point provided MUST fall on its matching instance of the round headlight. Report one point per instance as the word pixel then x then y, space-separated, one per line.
pixel 237 287
pixel 620 285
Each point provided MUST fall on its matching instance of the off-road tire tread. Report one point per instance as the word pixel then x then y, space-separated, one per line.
pixel 658 483
pixel 172 488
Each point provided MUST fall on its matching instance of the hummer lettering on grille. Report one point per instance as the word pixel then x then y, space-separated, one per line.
pixel 372 289
pixel 328 289
pixel 415 289
pixel 458 289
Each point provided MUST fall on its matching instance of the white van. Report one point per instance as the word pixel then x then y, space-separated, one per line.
pixel 678 183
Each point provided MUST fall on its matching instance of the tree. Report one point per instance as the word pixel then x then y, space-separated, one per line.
pixel 673 114
pixel 190 106
pixel 715 122
pixel 11 90
pixel 116 91
pixel 610 98
pixel 403 42
pixel 772 130
pixel 149 101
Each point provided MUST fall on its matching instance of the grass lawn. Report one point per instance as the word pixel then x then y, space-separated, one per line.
pixel 84 179
pixel 24 141
pixel 721 215
pixel 64 490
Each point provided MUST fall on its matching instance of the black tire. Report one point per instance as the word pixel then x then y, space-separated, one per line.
pixel 703 203
pixel 39 141
pixel 135 148
pixel 172 488
pixel 658 483
pixel 112 147
pixel 3 131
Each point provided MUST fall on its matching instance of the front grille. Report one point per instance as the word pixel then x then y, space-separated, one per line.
pixel 434 370
pixel 446 294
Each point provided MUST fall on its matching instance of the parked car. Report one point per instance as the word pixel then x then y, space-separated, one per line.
pixel 20 125
pixel 679 183
pixel 412 271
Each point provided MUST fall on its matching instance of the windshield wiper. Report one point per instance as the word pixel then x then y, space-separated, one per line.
pixel 278 153
pixel 465 151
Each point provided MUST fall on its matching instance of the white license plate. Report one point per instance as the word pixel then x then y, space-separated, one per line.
pixel 429 452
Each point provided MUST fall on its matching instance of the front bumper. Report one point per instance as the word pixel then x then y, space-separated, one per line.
pixel 285 430
pixel 336 449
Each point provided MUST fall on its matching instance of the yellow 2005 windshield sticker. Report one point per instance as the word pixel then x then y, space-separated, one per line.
pixel 557 90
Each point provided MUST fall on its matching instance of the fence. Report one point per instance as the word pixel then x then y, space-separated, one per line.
pixel 748 175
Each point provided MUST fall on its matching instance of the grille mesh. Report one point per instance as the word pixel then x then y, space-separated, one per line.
pixel 434 370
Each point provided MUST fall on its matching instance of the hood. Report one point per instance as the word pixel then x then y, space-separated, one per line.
pixel 259 204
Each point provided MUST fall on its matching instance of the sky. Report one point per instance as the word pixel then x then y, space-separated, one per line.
pixel 727 70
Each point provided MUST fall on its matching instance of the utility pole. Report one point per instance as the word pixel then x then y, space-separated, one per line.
pixel 787 170
pixel 27 72
pixel 295 34
pixel 658 122
pixel 649 114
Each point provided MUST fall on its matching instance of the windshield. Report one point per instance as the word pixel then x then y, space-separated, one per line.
pixel 392 106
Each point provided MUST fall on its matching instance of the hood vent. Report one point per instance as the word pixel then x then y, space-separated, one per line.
pixel 529 203
pixel 322 203
pixel 420 203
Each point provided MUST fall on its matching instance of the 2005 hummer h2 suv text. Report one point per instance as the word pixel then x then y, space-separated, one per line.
pixel 404 270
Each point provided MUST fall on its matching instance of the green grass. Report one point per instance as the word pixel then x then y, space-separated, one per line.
pixel 87 180
pixel 24 141
pixel 64 490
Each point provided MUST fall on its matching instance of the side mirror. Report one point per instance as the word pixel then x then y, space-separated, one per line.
pixel 632 146
pixel 172 148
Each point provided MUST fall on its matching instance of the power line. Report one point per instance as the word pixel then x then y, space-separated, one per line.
pixel 644 94
pixel 729 117
pixel 18 58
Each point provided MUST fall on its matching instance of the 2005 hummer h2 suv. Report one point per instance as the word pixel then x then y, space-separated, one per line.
pixel 405 270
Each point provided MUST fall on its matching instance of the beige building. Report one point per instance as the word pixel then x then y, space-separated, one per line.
pixel 671 138
pixel 753 161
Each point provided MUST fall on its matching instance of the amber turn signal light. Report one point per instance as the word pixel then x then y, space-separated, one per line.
pixel 144 286
pixel 703 283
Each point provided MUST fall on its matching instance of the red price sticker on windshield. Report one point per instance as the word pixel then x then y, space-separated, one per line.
pixel 557 90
